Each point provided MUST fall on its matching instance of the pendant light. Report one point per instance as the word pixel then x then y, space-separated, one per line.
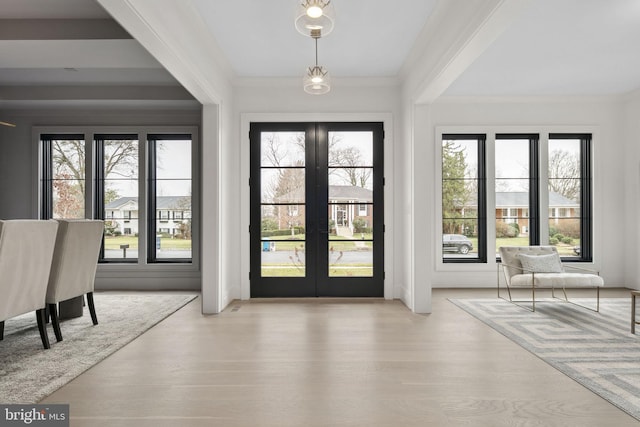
pixel 317 80
pixel 315 15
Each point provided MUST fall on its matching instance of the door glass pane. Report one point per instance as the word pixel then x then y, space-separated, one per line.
pixel 173 199
pixel 283 222
pixel 512 192
pixel 350 258
pixel 282 185
pixel 281 149
pixel 350 204
pixel 349 149
pixel 120 198
pixel 351 221
pixel 283 258
pixel 283 204
pixel 564 195
pixel 68 178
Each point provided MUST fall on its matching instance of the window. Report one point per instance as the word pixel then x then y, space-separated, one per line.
pixel 516 189
pixel 117 163
pixel 362 210
pixel 63 176
pixel 463 198
pixel 519 209
pixel 101 174
pixel 170 188
pixel 570 195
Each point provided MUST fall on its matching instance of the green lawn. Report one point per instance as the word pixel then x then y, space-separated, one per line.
pixel 350 270
pixel 563 249
pixel 289 243
pixel 114 242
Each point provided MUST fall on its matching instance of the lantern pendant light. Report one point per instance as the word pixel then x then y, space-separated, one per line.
pixel 315 15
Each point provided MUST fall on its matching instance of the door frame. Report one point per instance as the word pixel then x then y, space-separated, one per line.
pixel 390 291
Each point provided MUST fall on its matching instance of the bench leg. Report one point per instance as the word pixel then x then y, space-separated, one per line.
pixel 633 313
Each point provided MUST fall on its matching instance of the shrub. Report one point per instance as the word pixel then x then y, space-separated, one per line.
pixel 269 224
pixel 559 236
pixel 359 224
pixel 553 241
pixel 567 240
pixel 505 230
pixel 284 232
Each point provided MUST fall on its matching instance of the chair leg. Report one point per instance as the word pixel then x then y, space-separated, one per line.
pixel 42 327
pixel 55 321
pixel 92 308
pixel 1 330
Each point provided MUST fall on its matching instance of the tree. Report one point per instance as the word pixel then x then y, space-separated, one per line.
pixel 68 198
pixel 457 192
pixel 564 168
pixel 351 170
pixel 69 161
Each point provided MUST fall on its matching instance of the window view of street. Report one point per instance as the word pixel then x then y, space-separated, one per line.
pixel 117 184
pixel 350 204
pixel 512 194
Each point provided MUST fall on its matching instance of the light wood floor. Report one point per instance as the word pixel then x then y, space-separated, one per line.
pixel 319 362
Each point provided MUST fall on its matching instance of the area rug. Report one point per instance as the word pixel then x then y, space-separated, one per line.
pixel 28 373
pixel 595 349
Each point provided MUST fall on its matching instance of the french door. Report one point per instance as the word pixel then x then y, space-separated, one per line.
pixel 317 225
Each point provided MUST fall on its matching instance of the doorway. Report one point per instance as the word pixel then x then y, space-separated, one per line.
pixel 317 206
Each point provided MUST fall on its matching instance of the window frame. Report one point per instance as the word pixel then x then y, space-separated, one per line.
pixel 586 193
pixel 152 223
pixel 534 183
pixel 99 188
pixel 481 139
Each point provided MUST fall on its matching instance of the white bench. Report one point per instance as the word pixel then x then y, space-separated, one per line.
pixel 536 267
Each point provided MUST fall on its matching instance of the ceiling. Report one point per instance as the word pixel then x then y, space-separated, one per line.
pixel 553 47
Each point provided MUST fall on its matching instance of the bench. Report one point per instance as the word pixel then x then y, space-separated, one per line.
pixel 539 267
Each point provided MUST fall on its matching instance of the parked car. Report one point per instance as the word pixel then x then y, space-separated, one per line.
pixel 456 243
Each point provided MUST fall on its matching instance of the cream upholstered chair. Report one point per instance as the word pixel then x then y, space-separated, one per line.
pixel 537 267
pixel 26 250
pixel 73 269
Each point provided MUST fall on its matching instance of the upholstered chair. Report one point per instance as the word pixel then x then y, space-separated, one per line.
pixel 26 251
pixel 73 269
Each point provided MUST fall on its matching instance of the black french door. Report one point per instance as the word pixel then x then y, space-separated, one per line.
pixel 317 210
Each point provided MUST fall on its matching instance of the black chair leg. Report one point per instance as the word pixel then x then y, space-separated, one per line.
pixel 1 330
pixel 42 327
pixel 55 321
pixel 92 308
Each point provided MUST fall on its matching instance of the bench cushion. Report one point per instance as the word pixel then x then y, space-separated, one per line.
pixel 557 280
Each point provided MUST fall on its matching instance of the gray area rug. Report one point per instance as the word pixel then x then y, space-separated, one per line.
pixel 28 373
pixel 595 349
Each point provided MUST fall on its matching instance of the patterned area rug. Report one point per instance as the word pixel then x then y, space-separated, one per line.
pixel 28 373
pixel 595 349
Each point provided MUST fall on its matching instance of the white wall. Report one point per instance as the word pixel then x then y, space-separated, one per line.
pixel 282 101
pixel 602 117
